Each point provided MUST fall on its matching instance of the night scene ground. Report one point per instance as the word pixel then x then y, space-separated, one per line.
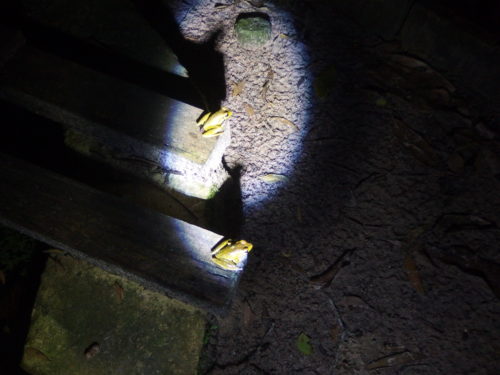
pixel 363 166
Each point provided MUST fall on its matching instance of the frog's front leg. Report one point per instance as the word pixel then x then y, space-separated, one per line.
pixel 220 246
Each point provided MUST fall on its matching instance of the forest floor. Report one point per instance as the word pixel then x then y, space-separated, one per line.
pixel 369 187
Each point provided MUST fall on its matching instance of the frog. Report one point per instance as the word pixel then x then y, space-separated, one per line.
pixel 230 254
pixel 211 123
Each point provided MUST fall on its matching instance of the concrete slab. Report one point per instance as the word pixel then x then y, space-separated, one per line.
pixel 88 321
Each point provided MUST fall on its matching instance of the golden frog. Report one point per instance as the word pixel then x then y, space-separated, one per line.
pixel 211 123
pixel 230 254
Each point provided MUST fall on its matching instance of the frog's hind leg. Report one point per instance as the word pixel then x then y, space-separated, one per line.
pixel 227 265
pixel 212 132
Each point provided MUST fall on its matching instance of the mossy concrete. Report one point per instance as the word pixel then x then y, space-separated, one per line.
pixel 253 29
pixel 132 330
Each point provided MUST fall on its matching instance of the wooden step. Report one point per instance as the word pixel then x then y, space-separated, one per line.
pixel 160 252
pixel 124 121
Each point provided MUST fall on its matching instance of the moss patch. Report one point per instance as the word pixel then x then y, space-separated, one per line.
pixel 135 330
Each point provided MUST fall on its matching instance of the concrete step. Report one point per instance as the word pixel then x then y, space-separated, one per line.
pixel 88 321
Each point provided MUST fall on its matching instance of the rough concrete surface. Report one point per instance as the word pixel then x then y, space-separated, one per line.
pixel 392 165
pixel 88 321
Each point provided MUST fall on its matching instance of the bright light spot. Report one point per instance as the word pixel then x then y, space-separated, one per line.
pixel 264 126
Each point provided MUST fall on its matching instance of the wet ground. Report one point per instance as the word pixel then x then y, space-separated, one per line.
pixel 369 185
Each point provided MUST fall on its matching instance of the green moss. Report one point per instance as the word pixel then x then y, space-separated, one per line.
pixel 136 329
pixel 253 30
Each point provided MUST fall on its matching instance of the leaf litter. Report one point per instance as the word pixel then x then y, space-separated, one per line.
pixel 415 143
pixel 304 345
pixel 395 359
pixel 284 121
pixel 272 178
pixel 238 87
pixel 324 279
pixel 412 246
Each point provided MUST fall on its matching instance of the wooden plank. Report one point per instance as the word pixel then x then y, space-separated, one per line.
pixel 161 252
pixel 92 102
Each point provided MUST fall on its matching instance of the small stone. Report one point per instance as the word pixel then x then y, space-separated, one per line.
pixel 253 30
pixel 92 350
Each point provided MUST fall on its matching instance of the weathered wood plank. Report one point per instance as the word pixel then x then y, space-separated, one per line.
pixel 159 251
pixel 122 121
pixel 80 97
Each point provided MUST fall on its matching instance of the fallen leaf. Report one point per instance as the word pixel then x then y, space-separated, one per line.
pixel 248 314
pixel 456 163
pixel 325 81
pixel 458 222
pixel 299 215
pixel 391 348
pixel 353 301
pixel 270 74
pixel 469 261
pixel 411 269
pixel 420 74
pixel 272 178
pixel 396 359
pixel 34 354
pixel 284 36
pixel 58 263
pixel 325 278
pixel 119 291
pixel 256 3
pixel 335 332
pixel 2 277
pixel 221 6
pixel 381 102
pixel 438 97
pixel 414 235
pixel 249 109
pixel 484 131
pixel 238 88
pixel 285 121
pixel 303 344
pixel 265 89
pixel 410 62
pixel 415 143
pixel 267 83
pixel 92 350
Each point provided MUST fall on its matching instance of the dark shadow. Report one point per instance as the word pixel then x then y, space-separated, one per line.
pixel 17 297
pixel 102 59
pixel 253 15
pixel 225 211
pixel 204 64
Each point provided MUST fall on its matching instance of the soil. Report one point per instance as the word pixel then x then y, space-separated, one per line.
pixel 369 187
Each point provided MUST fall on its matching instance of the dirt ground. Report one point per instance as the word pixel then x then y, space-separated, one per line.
pixel 369 187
